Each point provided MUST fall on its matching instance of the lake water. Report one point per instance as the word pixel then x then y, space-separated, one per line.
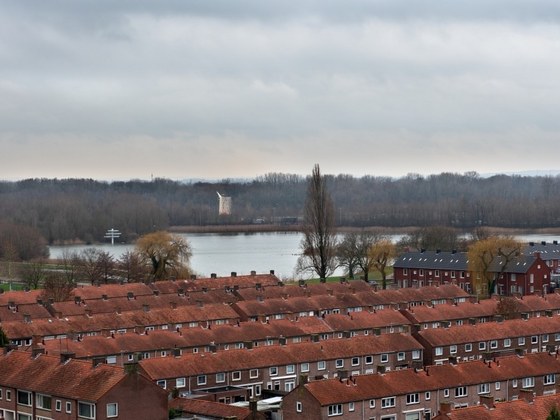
pixel 242 253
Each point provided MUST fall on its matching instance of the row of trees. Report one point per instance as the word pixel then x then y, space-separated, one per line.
pixel 366 251
pixel 157 256
pixel 83 209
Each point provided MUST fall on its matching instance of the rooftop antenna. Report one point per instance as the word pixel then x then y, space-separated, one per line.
pixel 112 233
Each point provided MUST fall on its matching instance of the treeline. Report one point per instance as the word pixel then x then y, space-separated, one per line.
pixel 83 209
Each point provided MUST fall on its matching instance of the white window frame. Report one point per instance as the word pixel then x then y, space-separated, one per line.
pixel 549 379
pixel 236 375
pixel 413 398
pixel 253 373
pixel 528 382
pixel 180 382
pixel 304 367
pixel 388 402
pixel 68 407
pixel 335 410
pixel 112 413
pixel 84 404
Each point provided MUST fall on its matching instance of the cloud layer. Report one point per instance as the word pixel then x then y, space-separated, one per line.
pixel 237 89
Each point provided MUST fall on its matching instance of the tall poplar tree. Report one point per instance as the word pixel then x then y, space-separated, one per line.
pixel 319 243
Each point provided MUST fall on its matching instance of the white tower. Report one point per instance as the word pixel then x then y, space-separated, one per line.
pixel 224 206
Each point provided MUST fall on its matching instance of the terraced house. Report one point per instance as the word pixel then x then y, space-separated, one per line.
pixel 41 387
pixel 417 394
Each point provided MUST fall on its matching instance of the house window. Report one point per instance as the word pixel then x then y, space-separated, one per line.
pixel 453 349
pixel 427 396
pixel 299 407
pixel 514 383
pixel 355 361
pixel 273 371
pixel 483 388
pixel 24 398
pixel 412 398
pixel 507 342
pixel 421 272
pixel 58 405
pixel 405 271
pixel 384 358
pixel 437 273
pixel 201 380
pixel 545 338
pixel 482 345
pixel 534 339
pixel 335 410
pixel 528 382
pixel 453 274
pixel 416 354
pixel 86 410
pixel 236 375
pixel 68 407
pixel 339 363
pixel 388 402
pixel 494 344
pixel 180 382
pixel 22 416
pixel 369 360
pixel 439 351
pixel 290 369
pixel 371 403
pixel 521 341
pixel 43 401
pixel 112 410
pixel 220 377
pixel 461 391
pixel 162 383
pixel 446 393
pixel 351 406
pixel 468 347
pixel 254 373
pixel 549 379
pixel 497 386
pixel 400 355
pixel 0 393
pixel 321 365
pixel 304 367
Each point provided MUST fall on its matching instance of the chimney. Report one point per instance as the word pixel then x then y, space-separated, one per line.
pixel 27 318
pixel 181 291
pixel 176 352
pixel 526 395
pixel 36 351
pixel 77 299
pixel 233 274
pixel 258 286
pixel 213 275
pixel 524 316
pixel 156 292
pixel 193 276
pixel 104 297
pixel 445 407
pixel 487 401
pixel 271 272
pixel 282 341
pixel 253 273
pixel 130 295
pixel 173 305
pixel 199 303
pixel 213 348
pixel 88 313
pixel 146 307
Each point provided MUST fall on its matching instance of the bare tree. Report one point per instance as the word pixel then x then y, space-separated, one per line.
pixel 33 273
pixel 347 253
pixel 57 287
pixel 319 236
pixel 132 268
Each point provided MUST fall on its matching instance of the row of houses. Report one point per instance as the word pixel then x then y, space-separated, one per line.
pixel 417 394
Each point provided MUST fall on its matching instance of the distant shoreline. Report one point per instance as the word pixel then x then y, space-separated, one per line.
pixel 264 228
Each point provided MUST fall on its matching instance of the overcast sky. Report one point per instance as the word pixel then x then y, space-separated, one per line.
pixel 232 88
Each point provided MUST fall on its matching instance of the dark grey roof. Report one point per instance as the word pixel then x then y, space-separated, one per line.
pixel 433 260
pixel 548 250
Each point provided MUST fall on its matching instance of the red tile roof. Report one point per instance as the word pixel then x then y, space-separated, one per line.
pixel 464 310
pixel 492 331
pixel 74 379
pixel 363 387
pixel 233 360
pixel 511 410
